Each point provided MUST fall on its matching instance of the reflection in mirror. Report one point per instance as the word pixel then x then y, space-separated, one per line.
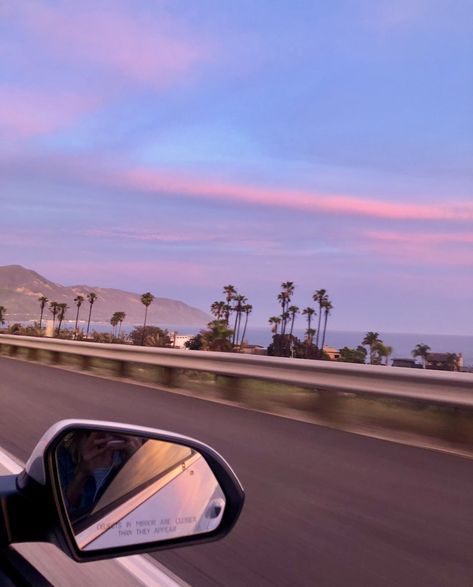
pixel 120 490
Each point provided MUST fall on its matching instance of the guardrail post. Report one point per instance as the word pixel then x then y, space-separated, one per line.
pixel 13 350
pixel 168 376
pixel 458 426
pixel 32 354
pixel 328 405
pixel 121 368
pixel 229 387
pixel 85 362
pixel 55 358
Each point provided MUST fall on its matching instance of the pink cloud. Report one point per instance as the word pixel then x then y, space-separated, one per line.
pixel 25 112
pixel 149 51
pixel 310 201
pixel 100 172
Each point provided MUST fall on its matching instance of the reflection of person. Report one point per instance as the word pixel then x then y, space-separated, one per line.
pixel 88 461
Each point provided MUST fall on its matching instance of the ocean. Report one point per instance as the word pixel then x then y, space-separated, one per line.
pixel 402 343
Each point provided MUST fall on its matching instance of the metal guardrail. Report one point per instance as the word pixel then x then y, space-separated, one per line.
pixel 426 387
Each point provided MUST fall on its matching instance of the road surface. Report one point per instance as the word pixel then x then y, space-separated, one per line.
pixel 324 507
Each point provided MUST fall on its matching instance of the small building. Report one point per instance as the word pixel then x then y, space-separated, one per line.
pixel 179 340
pixel 333 353
pixel 444 361
pixel 410 363
pixel 253 349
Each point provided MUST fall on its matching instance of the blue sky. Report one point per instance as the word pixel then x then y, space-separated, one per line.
pixel 177 147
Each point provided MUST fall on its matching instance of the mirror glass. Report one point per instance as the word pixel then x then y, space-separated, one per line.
pixel 120 490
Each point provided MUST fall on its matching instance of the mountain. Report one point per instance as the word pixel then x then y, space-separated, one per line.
pixel 20 289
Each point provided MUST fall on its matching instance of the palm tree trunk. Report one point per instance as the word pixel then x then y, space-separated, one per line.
pixel 244 330
pixel 318 327
pixel 235 327
pixel 292 325
pixel 41 318
pixel 88 321
pixel 323 335
pixel 144 327
pixel 77 319
pixel 238 341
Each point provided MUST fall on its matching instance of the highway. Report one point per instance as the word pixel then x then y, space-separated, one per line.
pixel 324 507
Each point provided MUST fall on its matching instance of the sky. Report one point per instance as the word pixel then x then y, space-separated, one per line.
pixel 177 147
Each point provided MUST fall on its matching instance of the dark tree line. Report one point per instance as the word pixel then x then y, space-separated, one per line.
pixel 284 343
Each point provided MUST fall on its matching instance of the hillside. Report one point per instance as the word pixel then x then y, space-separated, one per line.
pixel 20 289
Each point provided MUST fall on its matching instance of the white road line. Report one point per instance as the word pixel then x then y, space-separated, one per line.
pixel 10 463
pixel 150 572
pixel 144 569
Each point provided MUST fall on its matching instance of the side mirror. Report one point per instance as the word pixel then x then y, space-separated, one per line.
pixel 120 489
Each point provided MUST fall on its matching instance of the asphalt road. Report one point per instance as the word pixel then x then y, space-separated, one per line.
pixel 324 508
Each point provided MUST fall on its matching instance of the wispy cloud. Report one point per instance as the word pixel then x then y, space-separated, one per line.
pixel 117 38
pixel 421 238
pixel 26 112
pixel 97 272
pixel 218 240
pixel 422 249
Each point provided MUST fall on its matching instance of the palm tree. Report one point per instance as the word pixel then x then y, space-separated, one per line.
pixel 78 301
pixel 54 309
pixel 309 333
pixel 370 340
pixel 274 321
pixel 43 300
pixel 146 299
pixel 388 351
pixel 421 350
pixel 284 320
pixel 230 293
pixel 3 311
pixel 284 299
pixel 91 298
pixel 62 308
pixel 320 296
pixel 247 309
pixel 217 337
pixel 120 317
pixel 114 322
pixel 293 311
pixel 309 312
pixel 327 306
pixel 381 350
pixel 240 301
pixel 288 289
pixel 218 309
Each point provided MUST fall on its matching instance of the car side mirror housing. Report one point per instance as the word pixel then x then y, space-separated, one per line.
pixel 115 489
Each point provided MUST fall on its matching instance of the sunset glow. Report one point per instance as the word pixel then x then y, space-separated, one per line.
pixel 152 147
